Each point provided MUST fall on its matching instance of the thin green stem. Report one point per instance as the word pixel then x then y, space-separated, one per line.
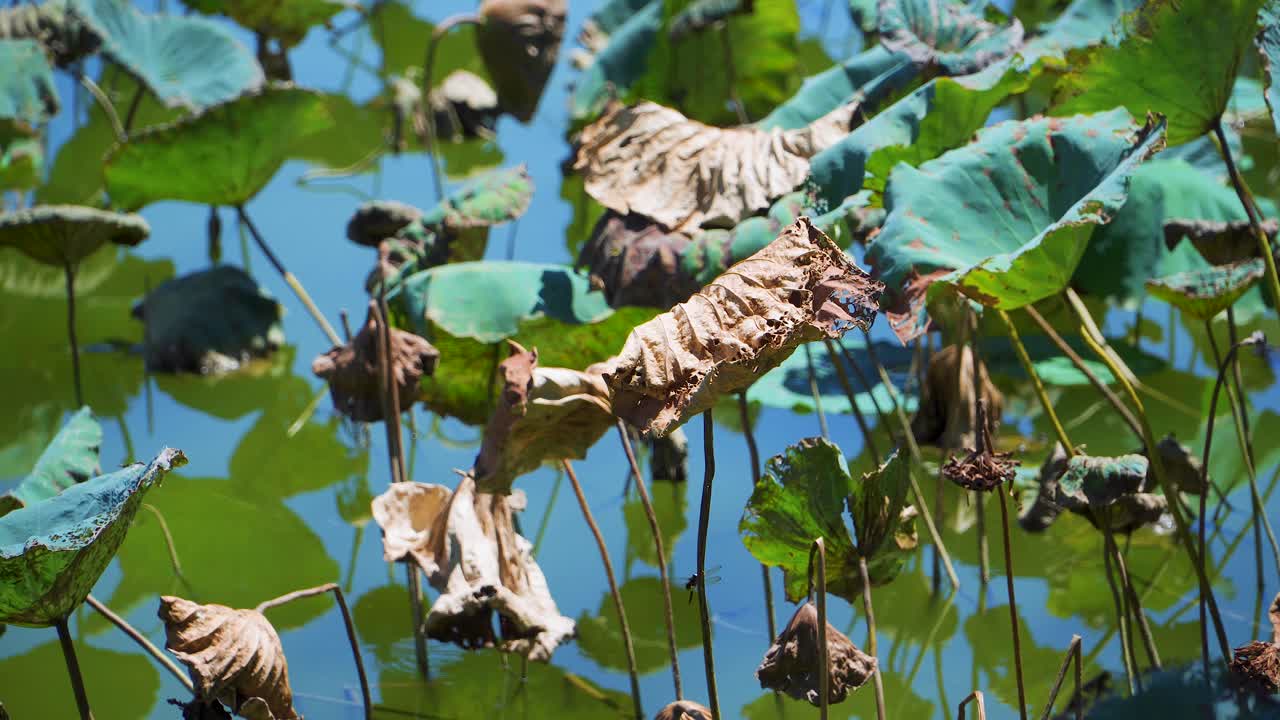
pixel 1251 210
pixel 704 519
pixel 870 612
pixel 289 277
pixel 141 640
pixel 819 549
pixel 73 669
pixel 1122 620
pixel 70 274
pixel 428 79
pixel 1135 602
pixel 107 106
pixel 974 697
pixel 817 396
pixel 753 452
pixel 856 411
pixel 1073 653
pixel 1036 383
pixel 1013 602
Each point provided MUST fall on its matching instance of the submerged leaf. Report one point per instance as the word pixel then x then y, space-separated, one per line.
pixel 544 414
pixel 786 387
pixel 211 321
pixel 799 288
pixel 1204 293
pixel 63 235
pixel 467 545
pixel 789 663
pixel 519 41
pixel 70 458
pixel 234 656
pixel 353 371
pixel 53 552
pixel 653 161
pixel 946 35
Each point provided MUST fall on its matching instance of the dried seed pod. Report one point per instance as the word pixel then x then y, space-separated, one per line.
pixel 683 710
pixel 352 370
pixel 1256 666
pixel 519 41
pixel 790 663
pixel 948 408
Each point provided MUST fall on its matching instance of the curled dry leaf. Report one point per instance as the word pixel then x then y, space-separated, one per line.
pixel 519 41
pixel 1041 513
pixel 651 160
pixel 684 710
pixel 352 370
pixel 378 220
pixel 948 402
pixel 467 545
pixel 1181 465
pixel 799 288
pixel 234 657
pixel 1221 242
pixel 544 414
pixel 790 662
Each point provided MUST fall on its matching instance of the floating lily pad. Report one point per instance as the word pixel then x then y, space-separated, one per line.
pixel 27 93
pixel 223 156
pixel 210 321
pixel 186 61
pixel 52 552
pixel 1005 219
pixel 285 20
pixel 1204 293
pixel 62 235
pixel 1177 58
pixel 949 36
pixel 71 458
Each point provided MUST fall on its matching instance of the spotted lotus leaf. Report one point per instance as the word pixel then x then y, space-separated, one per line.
pixel 949 36
pixel 1204 293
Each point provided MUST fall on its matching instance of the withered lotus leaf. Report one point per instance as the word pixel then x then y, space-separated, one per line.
pixel 791 662
pixel 653 161
pixel 467 545
pixel 519 41
pixel 352 370
pixel 378 220
pixel 1221 242
pixel 545 413
pixel 948 409
pixel 234 656
pixel 684 710
pixel 799 288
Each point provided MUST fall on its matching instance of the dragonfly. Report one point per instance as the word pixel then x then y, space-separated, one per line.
pixel 709 578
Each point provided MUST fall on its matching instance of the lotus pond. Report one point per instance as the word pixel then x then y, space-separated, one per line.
pixel 1045 200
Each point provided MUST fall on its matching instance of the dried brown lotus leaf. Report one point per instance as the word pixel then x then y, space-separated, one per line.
pixel 635 262
pixel 791 662
pixel 947 413
pixel 352 370
pixel 544 414
pixel 234 656
pixel 684 710
pixel 467 544
pixel 1256 666
pixel 519 41
pixel 799 288
pixel 378 220
pixel 1221 242
pixel 1274 614
pixel 1041 513
pixel 653 161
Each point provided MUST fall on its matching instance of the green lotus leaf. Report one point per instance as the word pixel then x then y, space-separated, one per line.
pixel 1005 219
pixel 1096 482
pixel 786 387
pixel 623 57
pixel 186 61
pixel 669 505
pixel 285 20
pixel 63 235
pixel 52 552
pixel 863 73
pixel 1057 370
pixel 223 156
pixel 864 14
pixel 489 199
pixel 402 36
pixel 28 96
pixel 941 115
pixel 31 689
pixel 1268 41
pixel 71 458
pixel 802 496
pixel 949 36
pixel 1082 24
pixel 1179 58
pixel 1206 292
pixel 209 321
pixel 600 639
pixel 21 161
pixel 699 15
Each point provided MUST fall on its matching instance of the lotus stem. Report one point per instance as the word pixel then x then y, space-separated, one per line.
pixel 753 452
pixel 73 669
pixel 867 386
pixel 1135 602
pixel 704 519
pixel 289 278
pixel 428 75
pixel 976 698
pixel 1080 365
pixel 916 461
pixel 1036 383
pixel 392 416
pixel 819 549
pixel 1013 602
pixel 1073 654
pixel 142 641
pixel 870 612
pixel 70 274
pixel 668 615
pixel 1122 620
pixel 867 439
pixel 421 652
pixel 1250 209
pixel 107 106
pixel 133 109
pixel 385 382
pixel 613 587
pixel 817 396
pixel 346 621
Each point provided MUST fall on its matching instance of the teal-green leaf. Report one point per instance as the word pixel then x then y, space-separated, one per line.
pixel 223 156
pixel 1268 41
pixel 1204 293
pixel 949 36
pixel 699 15
pixel 72 457
pixel 1096 482
pixel 1179 58
pixel 1082 24
pixel 1005 219
pixel 52 552
pixel 622 60
pixel 61 235
pixel 488 199
pixel 27 93
pixel 820 94
pixel 285 20
pixel 187 62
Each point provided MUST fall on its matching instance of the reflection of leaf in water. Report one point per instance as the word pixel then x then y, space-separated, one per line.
pixel 231 396
pixel 402 37
pixel 222 565
pixel 478 684
pixel 914 612
pixel 787 386
pixel 120 685
pixel 989 637
pixel 669 503
pixel 600 639
pixel 382 619
pixel 905 703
